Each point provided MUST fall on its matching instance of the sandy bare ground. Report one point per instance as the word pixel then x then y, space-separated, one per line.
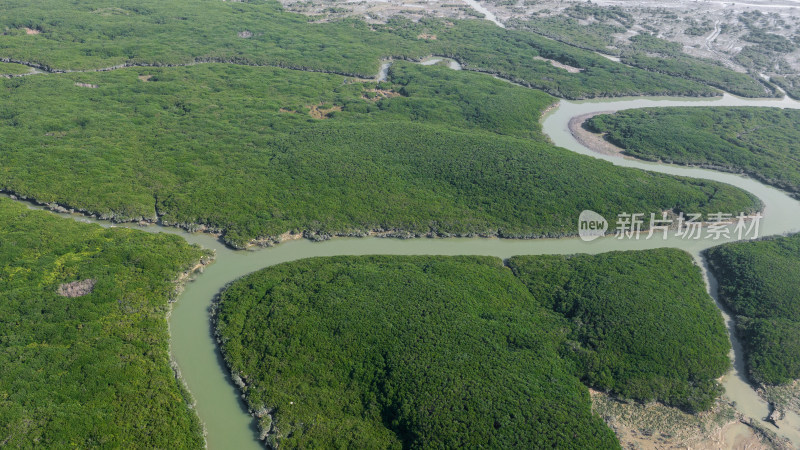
pixel 657 426
pixel 593 141
pixel 559 65
pixel 31 31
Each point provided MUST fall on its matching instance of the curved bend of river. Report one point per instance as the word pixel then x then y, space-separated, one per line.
pixel 218 401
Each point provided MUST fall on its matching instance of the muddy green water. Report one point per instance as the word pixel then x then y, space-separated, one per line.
pixel 218 402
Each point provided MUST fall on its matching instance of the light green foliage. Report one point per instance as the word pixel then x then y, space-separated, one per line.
pixel 102 33
pixel 234 148
pixel 89 371
pixel 760 282
pixel 762 142
pixel 13 69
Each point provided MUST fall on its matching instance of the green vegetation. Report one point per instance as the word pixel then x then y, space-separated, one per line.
pixel 699 29
pixel 644 51
pixel 424 351
pixel 103 33
pixel 756 58
pixel 92 370
pixel 571 26
pixel 762 142
pixel 760 282
pixel 652 53
pixel 235 148
pixel 399 352
pixel 594 36
pixel 13 69
pixel 643 325
pixel 789 83
pixel 769 41
pixel 767 53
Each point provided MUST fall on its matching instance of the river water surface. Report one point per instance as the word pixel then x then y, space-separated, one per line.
pixel 218 403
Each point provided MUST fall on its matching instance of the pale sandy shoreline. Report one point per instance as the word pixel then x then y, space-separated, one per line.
pixel 593 141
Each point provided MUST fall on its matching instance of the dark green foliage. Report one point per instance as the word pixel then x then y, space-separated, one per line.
pixel 760 282
pixel 646 52
pixel 762 142
pixel 509 54
pixel 391 352
pixel 770 41
pixel 102 33
pixel 760 59
pixel 388 351
pixel 643 326
pixel 703 70
pixel 773 348
pixel 90 371
pixel 648 43
pixel 699 29
pixel 789 83
pixel 234 148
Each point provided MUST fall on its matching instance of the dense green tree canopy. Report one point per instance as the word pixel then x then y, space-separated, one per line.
pixel 92 370
pixel 425 351
pixel 760 282
pixel 762 142
pixel 236 149
pixel 376 352
pixel 643 325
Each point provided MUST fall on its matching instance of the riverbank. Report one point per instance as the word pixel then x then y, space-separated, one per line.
pixel 218 401
pixel 599 144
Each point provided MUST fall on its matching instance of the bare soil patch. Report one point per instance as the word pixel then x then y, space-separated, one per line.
pixel 379 94
pixel 657 426
pixel 77 288
pixel 559 65
pixel 86 85
pixel 31 31
pixel 318 112
pixel 593 141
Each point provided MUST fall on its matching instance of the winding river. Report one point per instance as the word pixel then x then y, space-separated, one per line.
pixel 218 402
